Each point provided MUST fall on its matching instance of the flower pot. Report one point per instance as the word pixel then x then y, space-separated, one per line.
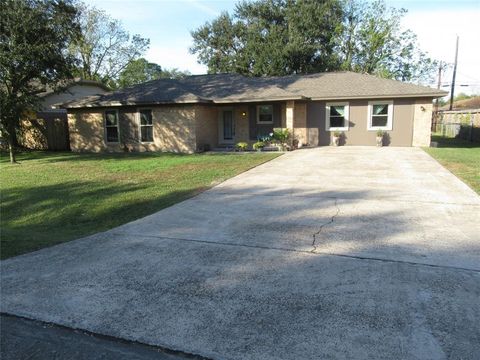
pixel 379 140
pixel 336 140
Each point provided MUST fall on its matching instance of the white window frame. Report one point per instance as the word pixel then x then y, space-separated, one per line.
pixel 347 116
pixel 139 121
pixel 105 126
pixel 258 115
pixel 389 125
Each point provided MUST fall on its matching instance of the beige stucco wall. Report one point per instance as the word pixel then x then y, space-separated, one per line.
pixel 358 134
pixel 173 130
pixel 73 92
pixel 422 123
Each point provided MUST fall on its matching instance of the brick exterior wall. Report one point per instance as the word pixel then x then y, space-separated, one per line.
pixel 173 130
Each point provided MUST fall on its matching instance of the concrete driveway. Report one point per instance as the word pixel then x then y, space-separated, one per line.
pixel 350 252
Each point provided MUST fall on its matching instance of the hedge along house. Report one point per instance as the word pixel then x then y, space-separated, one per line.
pixel 207 111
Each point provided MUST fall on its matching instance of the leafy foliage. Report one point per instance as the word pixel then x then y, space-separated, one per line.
pixel 373 42
pixel 241 146
pixel 281 37
pixel 34 36
pixel 105 48
pixel 258 145
pixel 140 70
pixel 174 73
pixel 281 135
pixel 276 37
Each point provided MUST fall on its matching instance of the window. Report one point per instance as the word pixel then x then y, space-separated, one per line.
pixel 146 126
pixel 111 126
pixel 380 115
pixel 337 116
pixel 265 114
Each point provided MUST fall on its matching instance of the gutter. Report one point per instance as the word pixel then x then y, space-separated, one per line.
pixel 430 95
pixel 119 104
pixel 250 100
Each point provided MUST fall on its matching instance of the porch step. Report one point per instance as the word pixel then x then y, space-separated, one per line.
pixel 271 148
pixel 224 148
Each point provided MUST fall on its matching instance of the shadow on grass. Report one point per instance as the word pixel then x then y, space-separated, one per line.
pixel 60 156
pixel 447 142
pixel 61 212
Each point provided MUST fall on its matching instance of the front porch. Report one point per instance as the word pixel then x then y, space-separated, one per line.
pixel 230 124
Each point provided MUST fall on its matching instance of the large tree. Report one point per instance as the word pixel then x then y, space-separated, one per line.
pixel 34 35
pixel 105 47
pixel 140 70
pixel 271 37
pixel 279 37
pixel 374 42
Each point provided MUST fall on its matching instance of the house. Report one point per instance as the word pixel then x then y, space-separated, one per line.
pixel 47 129
pixel 207 111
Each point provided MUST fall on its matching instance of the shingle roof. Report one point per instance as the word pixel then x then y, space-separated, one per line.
pixel 163 91
pixel 348 85
pixel 231 88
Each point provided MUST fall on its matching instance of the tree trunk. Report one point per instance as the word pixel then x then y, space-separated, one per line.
pixel 11 150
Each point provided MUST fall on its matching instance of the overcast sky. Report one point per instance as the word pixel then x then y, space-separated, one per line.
pixel 436 22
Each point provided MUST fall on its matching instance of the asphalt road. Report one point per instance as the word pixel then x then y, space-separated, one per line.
pixel 22 339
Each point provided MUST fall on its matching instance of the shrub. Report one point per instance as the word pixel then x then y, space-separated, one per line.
pixel 259 145
pixel 337 133
pixel 241 146
pixel 281 135
pixel 380 133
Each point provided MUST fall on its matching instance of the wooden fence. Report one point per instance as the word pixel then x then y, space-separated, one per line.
pixel 46 131
pixel 464 124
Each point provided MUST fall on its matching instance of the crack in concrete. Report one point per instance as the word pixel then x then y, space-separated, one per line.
pixel 309 252
pixel 332 219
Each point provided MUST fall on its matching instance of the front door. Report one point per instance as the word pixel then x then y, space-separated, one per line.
pixel 227 127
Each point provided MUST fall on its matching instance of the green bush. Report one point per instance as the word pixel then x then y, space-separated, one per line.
pixel 258 145
pixel 380 133
pixel 337 133
pixel 281 135
pixel 241 146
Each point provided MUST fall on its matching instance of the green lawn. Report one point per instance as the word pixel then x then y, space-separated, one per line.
pixel 460 157
pixel 51 198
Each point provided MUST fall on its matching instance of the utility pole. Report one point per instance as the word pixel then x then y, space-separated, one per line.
pixel 452 90
pixel 439 84
pixel 439 75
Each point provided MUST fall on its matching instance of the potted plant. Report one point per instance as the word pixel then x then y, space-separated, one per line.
pixel 336 137
pixel 380 135
pixel 259 145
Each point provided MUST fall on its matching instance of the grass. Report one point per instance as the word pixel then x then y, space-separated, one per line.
pixel 459 156
pixel 50 198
